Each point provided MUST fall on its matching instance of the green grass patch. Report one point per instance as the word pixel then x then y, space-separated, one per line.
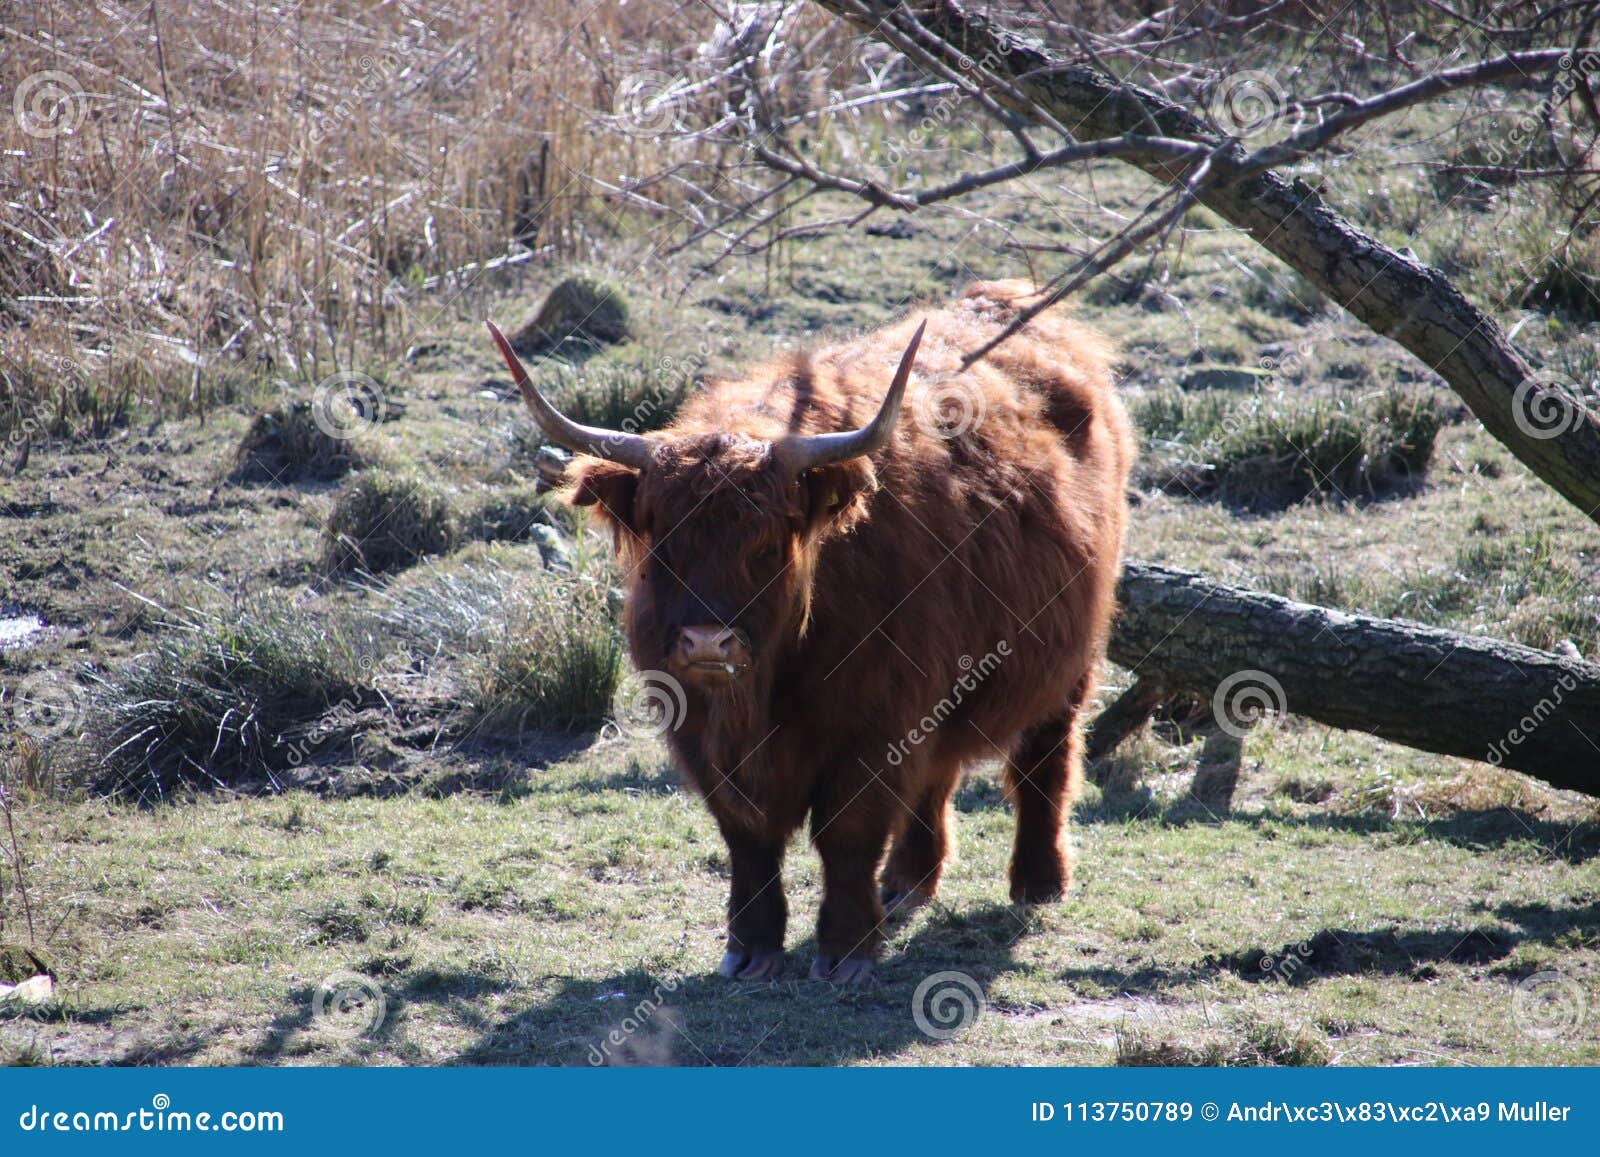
pixel 536 648
pixel 221 698
pixel 1243 1041
pixel 1525 588
pixel 633 396
pixel 1270 451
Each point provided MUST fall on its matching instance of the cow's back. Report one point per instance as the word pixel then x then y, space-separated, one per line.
pixel 976 591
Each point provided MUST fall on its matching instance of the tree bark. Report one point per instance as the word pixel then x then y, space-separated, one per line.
pixel 1437 690
pixel 1391 292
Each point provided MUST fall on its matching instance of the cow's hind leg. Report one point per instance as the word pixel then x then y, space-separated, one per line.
pixel 757 910
pixel 1043 776
pixel 911 877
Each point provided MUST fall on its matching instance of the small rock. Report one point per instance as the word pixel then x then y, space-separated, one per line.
pixel 39 989
pixel 1567 649
pixel 551 464
pixel 553 548
pixel 1156 300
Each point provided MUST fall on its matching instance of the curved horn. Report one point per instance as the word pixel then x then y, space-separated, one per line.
pixel 616 445
pixel 804 451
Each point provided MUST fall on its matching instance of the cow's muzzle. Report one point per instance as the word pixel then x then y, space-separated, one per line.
pixel 709 655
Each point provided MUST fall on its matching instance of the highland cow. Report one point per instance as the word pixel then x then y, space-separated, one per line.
pixel 857 604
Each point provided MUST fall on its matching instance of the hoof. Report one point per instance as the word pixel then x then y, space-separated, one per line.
pixel 903 901
pixel 1037 891
pixel 850 970
pixel 738 965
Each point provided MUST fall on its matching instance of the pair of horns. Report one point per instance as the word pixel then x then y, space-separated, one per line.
pixel 798 452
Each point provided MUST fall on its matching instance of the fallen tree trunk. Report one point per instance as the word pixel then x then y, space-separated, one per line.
pixel 1183 634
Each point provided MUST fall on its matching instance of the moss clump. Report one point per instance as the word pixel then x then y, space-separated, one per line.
pixel 580 312
pixel 383 521
pixel 286 444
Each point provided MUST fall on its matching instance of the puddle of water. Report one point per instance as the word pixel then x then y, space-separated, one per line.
pixel 16 630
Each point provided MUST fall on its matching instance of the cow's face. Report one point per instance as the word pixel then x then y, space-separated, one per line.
pixel 719 530
pixel 720 539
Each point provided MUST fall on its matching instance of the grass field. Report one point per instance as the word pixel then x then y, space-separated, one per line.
pixel 348 711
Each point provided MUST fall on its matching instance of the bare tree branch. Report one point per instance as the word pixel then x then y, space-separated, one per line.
pixel 1547 428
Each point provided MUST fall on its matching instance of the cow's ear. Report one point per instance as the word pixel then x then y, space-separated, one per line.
pixel 835 496
pixel 610 488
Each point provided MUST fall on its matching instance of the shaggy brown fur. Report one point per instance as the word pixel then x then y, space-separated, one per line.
pixel 942 603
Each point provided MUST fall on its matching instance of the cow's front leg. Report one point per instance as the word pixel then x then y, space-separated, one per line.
pixel 851 842
pixel 757 911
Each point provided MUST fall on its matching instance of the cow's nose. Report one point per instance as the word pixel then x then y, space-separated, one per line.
pixel 707 645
